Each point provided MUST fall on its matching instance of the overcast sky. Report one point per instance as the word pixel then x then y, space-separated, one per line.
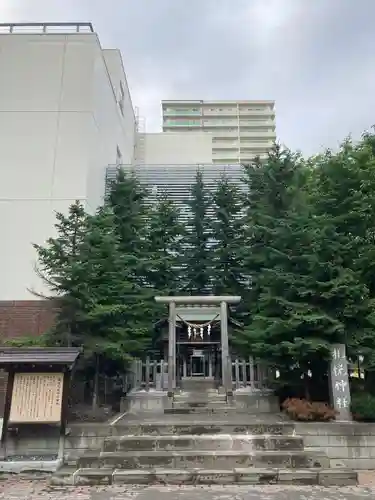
pixel 315 58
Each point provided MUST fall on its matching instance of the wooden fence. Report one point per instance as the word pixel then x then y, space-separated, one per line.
pixel 248 373
pixel 153 374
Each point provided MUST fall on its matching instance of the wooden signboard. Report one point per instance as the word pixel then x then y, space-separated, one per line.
pixel 36 398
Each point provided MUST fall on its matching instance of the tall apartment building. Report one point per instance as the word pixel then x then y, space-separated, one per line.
pixel 240 130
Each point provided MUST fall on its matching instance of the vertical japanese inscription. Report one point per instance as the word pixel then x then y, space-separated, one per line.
pixel 340 387
pixel 36 397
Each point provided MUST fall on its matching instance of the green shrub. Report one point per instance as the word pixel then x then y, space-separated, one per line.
pixel 363 407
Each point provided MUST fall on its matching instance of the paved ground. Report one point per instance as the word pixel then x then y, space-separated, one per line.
pixel 15 489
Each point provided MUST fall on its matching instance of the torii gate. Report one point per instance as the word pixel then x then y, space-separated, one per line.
pixel 223 301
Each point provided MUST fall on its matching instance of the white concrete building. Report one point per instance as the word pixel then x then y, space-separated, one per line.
pixel 65 114
pixel 240 130
pixel 174 148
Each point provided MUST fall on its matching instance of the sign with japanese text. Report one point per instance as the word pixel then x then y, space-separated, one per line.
pixel 340 388
pixel 36 398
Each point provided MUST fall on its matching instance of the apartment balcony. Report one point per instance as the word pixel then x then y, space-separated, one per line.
pixel 267 111
pixel 181 124
pixel 261 134
pixel 182 112
pixel 221 133
pixel 220 112
pixel 217 123
pixel 256 123
pixel 255 145
pixel 249 154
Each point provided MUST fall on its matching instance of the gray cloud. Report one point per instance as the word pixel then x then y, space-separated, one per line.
pixel 313 57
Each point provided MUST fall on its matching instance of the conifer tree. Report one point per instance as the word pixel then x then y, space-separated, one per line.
pixel 301 295
pixel 227 239
pixel 197 261
pixel 58 265
pixel 116 319
pixel 165 238
pixel 343 195
pixel 102 306
pixel 128 201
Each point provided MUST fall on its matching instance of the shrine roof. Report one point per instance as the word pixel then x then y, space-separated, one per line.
pixel 38 355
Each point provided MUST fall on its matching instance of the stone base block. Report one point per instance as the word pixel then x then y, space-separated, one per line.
pixel 255 476
pixel 131 477
pixel 256 402
pixel 18 466
pixel 337 477
pixel 304 476
pixel 251 476
pixel 154 402
pixel 93 476
pixel 172 476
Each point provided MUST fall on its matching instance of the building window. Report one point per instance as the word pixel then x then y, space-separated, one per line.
pixel 121 100
pixel 118 156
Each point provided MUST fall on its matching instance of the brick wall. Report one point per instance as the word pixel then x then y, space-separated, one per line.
pixel 25 318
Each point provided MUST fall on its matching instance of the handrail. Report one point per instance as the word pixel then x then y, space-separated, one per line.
pixel 78 27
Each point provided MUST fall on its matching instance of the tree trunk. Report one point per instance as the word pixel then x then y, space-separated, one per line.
pixel 95 395
pixel 306 380
pixel 69 337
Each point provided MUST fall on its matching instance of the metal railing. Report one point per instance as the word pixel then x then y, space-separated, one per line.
pixel 19 28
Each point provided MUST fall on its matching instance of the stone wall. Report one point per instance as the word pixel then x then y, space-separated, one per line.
pixel 29 440
pixel 347 444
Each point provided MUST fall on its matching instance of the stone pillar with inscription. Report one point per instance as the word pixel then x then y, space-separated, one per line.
pixel 339 382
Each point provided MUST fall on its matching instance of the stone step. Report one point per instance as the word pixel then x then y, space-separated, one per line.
pixel 199 395
pixel 238 442
pixel 200 404
pixel 253 476
pixel 64 475
pixel 222 410
pixel 200 399
pixel 187 459
pixel 198 385
pixel 201 426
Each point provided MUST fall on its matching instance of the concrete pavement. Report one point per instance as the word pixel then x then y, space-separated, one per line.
pixel 18 489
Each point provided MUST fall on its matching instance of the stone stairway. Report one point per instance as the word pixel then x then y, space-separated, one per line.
pixel 196 443
pixel 197 401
